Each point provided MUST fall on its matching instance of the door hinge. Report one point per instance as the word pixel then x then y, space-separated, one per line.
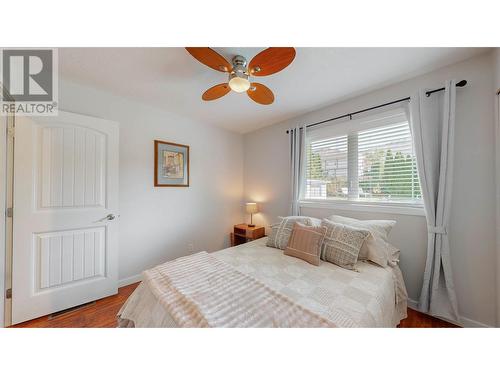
pixel 11 131
pixel 9 212
pixel 8 293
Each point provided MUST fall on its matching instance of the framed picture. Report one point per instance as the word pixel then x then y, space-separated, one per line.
pixel 171 164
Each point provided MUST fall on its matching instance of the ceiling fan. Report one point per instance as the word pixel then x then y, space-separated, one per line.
pixel 267 62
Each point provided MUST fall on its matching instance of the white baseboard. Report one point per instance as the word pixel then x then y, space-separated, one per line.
pixel 412 304
pixel 469 323
pixel 129 280
pixel 464 322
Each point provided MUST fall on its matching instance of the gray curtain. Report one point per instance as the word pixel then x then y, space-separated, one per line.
pixel 433 126
pixel 297 150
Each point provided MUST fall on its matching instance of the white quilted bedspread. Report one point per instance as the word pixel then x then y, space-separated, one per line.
pixel 371 297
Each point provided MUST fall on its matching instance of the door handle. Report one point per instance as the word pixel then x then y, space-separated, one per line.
pixel 108 217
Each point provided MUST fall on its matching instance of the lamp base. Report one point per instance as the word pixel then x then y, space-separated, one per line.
pixel 251 225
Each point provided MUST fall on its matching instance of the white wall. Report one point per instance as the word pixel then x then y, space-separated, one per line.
pixel 497 144
pixel 472 230
pixel 496 54
pixel 157 224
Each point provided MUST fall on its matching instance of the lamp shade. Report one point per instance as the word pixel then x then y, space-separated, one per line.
pixel 252 208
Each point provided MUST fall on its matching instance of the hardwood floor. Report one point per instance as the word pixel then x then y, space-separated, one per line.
pixel 102 314
pixel 99 314
pixel 416 319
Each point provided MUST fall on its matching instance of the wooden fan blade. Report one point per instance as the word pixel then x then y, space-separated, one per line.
pixel 260 94
pixel 210 58
pixel 271 61
pixel 216 92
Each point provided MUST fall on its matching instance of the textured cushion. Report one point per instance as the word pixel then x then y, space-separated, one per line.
pixel 280 232
pixel 342 244
pixel 376 246
pixel 305 242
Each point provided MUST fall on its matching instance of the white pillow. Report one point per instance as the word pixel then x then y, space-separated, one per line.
pixel 393 255
pixel 314 221
pixel 376 246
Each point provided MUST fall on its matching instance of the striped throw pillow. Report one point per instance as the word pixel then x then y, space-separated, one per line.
pixel 305 243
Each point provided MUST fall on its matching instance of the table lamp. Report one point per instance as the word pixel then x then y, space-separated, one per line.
pixel 251 209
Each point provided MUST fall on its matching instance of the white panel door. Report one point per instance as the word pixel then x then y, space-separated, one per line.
pixel 65 242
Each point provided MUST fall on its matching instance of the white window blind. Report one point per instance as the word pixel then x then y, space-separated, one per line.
pixel 327 168
pixel 368 160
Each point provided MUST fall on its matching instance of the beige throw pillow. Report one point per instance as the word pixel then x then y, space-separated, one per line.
pixel 342 244
pixel 376 246
pixel 305 243
pixel 280 232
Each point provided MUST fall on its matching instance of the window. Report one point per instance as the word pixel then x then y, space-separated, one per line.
pixel 367 160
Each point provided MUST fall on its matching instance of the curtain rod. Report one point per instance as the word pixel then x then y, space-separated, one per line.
pixel 462 83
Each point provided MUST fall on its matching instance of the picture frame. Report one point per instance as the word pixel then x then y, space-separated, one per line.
pixel 171 166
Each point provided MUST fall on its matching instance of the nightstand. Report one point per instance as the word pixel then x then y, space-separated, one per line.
pixel 242 233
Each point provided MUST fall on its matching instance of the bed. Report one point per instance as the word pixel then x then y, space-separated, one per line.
pixel 371 296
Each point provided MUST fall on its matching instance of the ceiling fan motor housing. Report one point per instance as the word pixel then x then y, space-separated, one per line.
pixel 239 63
pixel 239 67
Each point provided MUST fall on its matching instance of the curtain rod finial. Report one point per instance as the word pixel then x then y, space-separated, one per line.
pixel 462 83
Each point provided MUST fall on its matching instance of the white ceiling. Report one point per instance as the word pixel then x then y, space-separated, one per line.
pixel 173 80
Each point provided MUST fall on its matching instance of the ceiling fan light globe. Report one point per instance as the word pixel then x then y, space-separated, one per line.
pixel 239 84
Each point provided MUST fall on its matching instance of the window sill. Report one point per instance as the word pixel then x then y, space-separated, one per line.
pixel 389 208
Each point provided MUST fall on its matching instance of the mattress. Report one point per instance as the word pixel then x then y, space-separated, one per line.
pixel 371 296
